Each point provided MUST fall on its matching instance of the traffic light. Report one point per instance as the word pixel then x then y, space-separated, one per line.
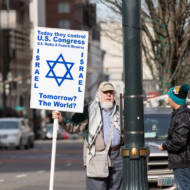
pixel 89 15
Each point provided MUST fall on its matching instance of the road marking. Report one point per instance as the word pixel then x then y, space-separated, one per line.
pixel 21 175
pixel 2 180
pixel 68 164
pixel 40 171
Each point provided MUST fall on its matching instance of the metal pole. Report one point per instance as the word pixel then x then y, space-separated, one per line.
pixel 1 54
pixel 8 5
pixel 6 60
pixel 6 57
pixel 134 152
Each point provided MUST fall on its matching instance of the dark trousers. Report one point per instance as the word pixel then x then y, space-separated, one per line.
pixel 182 178
pixel 113 181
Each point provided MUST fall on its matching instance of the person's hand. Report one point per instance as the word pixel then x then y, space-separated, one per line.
pixel 160 147
pixel 57 115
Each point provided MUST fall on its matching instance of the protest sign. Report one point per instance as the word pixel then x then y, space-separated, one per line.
pixel 58 74
pixel 59 69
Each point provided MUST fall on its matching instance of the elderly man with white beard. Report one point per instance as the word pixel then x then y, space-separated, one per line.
pixel 100 122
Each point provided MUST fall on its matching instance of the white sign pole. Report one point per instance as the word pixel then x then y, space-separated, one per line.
pixel 53 154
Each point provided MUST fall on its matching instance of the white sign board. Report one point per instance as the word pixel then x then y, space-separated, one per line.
pixel 59 69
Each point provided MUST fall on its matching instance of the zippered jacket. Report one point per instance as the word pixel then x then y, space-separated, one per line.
pixel 94 138
pixel 178 141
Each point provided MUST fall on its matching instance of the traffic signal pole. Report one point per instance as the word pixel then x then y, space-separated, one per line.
pixel 6 62
pixel 134 151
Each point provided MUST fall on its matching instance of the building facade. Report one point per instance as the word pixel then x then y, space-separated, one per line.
pixel 64 14
pixel 75 15
pixel 112 44
pixel 15 54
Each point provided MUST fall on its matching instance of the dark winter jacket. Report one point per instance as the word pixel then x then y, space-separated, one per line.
pixel 178 141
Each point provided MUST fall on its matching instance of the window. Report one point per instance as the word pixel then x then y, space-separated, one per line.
pixel 156 125
pixel 9 125
pixel 64 24
pixel 63 7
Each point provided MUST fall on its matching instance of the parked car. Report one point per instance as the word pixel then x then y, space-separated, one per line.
pixel 74 136
pixel 61 133
pixel 48 131
pixel 156 122
pixel 15 132
pixel 64 134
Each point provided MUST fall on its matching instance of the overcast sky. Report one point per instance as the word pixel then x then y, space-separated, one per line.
pixel 103 12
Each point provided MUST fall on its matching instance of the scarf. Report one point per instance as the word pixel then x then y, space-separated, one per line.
pixel 96 123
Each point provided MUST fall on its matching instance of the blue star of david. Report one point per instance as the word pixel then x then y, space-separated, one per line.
pixel 66 76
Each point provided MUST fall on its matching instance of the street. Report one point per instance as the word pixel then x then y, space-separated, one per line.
pixel 30 169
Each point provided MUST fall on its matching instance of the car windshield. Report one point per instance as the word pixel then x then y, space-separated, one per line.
pixel 49 127
pixel 9 125
pixel 156 125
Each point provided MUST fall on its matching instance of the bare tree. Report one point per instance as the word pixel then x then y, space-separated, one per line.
pixel 165 39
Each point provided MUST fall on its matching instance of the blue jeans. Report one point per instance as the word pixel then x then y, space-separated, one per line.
pixel 182 178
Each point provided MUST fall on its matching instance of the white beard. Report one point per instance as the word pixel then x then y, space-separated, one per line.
pixel 106 105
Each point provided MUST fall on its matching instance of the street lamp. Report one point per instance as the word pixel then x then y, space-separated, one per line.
pixel 134 152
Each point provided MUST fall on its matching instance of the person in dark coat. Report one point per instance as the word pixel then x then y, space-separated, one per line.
pixel 178 141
